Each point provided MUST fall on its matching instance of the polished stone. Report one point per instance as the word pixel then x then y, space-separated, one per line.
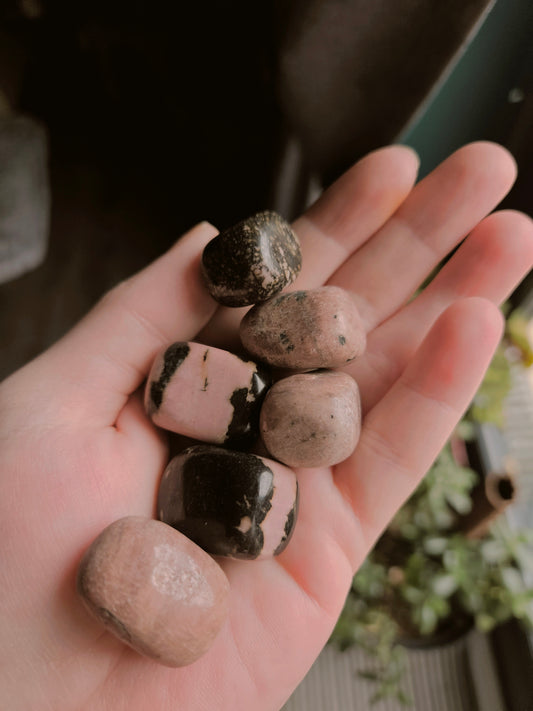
pixel 305 330
pixel 312 419
pixel 251 261
pixel 154 589
pixel 229 503
pixel 206 393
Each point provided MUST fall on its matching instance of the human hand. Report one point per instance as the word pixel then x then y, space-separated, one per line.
pixel 78 451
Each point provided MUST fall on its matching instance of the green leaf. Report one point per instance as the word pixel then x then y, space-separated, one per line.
pixel 428 619
pixel 466 430
pixel 494 551
pixel 484 622
pixel 435 545
pixel 516 329
pixel 444 585
pixel 404 699
pixel 513 580
pixel 461 502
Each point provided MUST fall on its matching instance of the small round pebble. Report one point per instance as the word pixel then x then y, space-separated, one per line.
pixel 312 419
pixel 154 589
pixel 251 261
pixel 305 330
pixel 230 503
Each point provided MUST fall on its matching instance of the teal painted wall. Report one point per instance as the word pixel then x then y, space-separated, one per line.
pixel 472 102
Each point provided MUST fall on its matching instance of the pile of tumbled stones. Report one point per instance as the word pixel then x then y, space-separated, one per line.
pixel 222 494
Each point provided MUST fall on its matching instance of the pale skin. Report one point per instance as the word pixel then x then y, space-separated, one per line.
pixel 78 452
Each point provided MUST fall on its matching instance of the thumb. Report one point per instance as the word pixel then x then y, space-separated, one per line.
pixel 107 355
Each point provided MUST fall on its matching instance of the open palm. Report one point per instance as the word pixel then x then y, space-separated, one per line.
pixel 78 452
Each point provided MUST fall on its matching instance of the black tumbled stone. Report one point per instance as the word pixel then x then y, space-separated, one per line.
pixel 222 500
pixel 252 261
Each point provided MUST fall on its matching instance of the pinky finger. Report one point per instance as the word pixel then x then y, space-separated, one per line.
pixel 404 432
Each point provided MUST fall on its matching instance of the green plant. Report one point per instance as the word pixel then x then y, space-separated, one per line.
pixel 424 574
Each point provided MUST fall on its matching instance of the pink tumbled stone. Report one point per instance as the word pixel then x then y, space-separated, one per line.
pixel 312 419
pixel 206 393
pixel 154 589
pixel 305 330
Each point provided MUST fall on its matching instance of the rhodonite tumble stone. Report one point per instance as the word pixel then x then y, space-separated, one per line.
pixel 305 330
pixel 206 393
pixel 312 419
pixel 154 589
pixel 229 503
pixel 251 261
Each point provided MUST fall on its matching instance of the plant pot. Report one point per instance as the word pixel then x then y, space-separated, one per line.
pixel 452 629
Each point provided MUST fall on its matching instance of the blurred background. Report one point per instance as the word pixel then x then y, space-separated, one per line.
pixel 122 123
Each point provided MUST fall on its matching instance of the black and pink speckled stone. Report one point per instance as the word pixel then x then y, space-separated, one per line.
pixel 312 419
pixel 305 330
pixel 251 261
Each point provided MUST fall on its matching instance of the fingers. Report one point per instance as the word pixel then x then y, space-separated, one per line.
pixel 489 264
pixel 107 355
pixel 351 210
pixel 405 431
pixel 436 216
